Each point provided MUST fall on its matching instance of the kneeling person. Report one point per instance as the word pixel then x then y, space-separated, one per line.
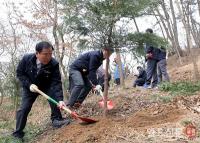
pixel 141 77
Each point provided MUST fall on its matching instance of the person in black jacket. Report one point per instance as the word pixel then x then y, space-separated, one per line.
pixel 82 75
pixel 151 59
pixel 141 77
pixel 42 70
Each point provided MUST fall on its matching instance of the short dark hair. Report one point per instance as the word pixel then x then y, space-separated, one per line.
pixel 139 67
pixel 149 30
pixel 43 45
pixel 109 49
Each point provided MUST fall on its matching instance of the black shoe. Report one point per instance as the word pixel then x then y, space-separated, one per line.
pixel 57 123
pixel 18 137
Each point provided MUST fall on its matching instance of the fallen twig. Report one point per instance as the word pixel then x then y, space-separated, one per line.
pixel 124 138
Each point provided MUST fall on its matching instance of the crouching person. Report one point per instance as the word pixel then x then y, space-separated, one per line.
pixel 82 75
pixel 42 70
pixel 141 77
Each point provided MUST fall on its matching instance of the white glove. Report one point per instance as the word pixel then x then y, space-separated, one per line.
pixel 98 87
pixel 33 87
pixel 61 104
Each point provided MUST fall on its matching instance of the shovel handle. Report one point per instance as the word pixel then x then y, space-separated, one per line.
pixel 34 88
pixel 52 100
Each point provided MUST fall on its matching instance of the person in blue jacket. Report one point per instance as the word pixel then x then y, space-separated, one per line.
pixel 117 73
pixel 41 69
pixel 141 77
pixel 82 75
pixel 151 59
pixel 162 66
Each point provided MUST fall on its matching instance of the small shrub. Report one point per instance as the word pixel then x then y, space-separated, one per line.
pixel 180 88
pixel 9 139
pixel 158 98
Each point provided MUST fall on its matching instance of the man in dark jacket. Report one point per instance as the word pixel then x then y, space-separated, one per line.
pixel 141 77
pixel 162 66
pixel 152 59
pixel 82 75
pixel 42 70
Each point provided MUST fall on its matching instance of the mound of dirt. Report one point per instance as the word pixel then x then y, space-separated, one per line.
pixel 115 128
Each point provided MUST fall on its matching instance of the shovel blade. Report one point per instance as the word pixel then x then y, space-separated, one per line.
pixel 110 104
pixel 87 120
pixel 83 119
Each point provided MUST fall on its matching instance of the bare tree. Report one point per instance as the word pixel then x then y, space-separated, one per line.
pixel 184 13
pixel 170 25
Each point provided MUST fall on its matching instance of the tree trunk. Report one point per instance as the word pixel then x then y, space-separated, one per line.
pixel 106 87
pixel 170 36
pixel 136 24
pixel 2 95
pixel 122 83
pixel 174 27
pixel 173 35
pixel 195 32
pixel 160 25
pixel 198 2
pixel 57 50
pixel 13 62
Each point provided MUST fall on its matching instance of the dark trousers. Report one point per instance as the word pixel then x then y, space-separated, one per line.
pixel 162 71
pixel 80 86
pixel 152 72
pixel 21 117
pixel 139 82
pixel 117 81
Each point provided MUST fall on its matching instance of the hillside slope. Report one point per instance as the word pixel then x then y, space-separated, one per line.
pixel 139 115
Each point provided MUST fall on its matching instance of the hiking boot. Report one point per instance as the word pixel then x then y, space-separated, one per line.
pixel 57 123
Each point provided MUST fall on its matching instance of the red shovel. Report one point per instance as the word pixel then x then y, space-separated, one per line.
pixel 110 104
pixel 34 88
